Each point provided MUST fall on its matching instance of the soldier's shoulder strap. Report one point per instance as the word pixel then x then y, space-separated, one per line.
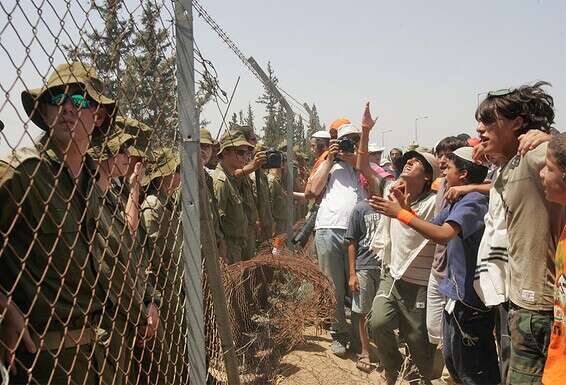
pixel 219 175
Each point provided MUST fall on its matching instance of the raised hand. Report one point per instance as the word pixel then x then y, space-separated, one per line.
pixel 367 121
pixel 137 175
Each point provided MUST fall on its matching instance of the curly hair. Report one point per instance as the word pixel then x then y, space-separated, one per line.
pixel 532 103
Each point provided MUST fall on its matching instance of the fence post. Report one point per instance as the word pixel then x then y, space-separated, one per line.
pixel 190 185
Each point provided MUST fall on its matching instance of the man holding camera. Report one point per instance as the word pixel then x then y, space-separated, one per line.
pixel 340 181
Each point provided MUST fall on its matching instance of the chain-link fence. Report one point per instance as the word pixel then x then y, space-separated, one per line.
pixel 94 285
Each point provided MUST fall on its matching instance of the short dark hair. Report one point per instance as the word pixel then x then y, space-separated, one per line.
pixel 449 144
pixel 476 172
pixel 557 147
pixel 532 103
pixel 463 136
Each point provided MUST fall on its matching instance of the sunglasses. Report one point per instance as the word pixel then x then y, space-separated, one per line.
pixel 241 152
pixel 78 100
pixel 501 92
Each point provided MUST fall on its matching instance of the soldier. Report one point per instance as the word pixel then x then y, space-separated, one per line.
pixel 278 197
pixel 207 143
pixel 233 153
pixel 161 213
pixel 120 255
pixel 50 294
pixel 263 201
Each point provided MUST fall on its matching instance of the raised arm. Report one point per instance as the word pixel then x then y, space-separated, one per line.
pixel 374 180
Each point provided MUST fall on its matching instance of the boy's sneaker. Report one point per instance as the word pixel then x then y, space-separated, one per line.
pixel 338 348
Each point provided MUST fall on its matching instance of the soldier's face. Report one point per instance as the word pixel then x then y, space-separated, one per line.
pixel 236 157
pixel 69 123
pixel 205 153
pixel 121 165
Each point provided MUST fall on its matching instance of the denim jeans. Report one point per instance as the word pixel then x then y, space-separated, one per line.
pixel 332 255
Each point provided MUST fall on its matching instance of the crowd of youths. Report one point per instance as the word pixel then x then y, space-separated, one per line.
pixel 456 252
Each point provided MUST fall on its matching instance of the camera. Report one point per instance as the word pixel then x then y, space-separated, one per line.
pixel 274 159
pixel 346 145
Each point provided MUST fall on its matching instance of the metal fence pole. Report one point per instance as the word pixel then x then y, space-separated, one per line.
pixel 190 198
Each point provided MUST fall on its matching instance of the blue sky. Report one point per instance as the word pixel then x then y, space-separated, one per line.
pixel 408 58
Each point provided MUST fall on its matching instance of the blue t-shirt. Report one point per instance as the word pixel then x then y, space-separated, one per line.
pixel 361 229
pixel 462 251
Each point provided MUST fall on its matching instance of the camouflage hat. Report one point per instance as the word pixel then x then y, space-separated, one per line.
pixel 260 147
pixel 141 133
pixel 282 146
pixel 165 162
pixel 111 147
pixel 233 139
pixel 77 73
pixel 247 130
pixel 206 137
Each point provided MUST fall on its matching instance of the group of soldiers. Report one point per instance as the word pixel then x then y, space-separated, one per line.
pixel 91 289
pixel 248 200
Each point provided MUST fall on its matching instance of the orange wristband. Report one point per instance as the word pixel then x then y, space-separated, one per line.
pixel 405 216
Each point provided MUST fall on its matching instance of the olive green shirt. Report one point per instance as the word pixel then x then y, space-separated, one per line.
pixel 248 199
pixel 230 205
pixel 278 203
pixel 263 204
pixel 46 262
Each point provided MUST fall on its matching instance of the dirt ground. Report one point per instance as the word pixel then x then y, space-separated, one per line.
pixel 312 363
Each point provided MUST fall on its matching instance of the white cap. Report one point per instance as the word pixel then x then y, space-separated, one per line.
pixel 373 147
pixel 465 153
pixel 321 135
pixel 347 129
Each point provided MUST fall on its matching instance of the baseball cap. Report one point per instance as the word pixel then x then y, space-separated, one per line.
pixel 347 129
pixel 338 122
pixel 428 160
pixel 321 135
pixel 373 147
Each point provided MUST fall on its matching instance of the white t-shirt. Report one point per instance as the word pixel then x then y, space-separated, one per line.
pixel 343 191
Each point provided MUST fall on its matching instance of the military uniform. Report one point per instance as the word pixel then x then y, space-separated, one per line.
pixel 250 208
pixel 263 203
pixel 232 214
pixel 278 202
pixel 49 269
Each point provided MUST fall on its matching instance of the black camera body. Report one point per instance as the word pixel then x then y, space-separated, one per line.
pixel 346 145
pixel 274 159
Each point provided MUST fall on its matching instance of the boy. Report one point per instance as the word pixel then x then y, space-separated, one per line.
pixel 553 177
pixel 364 270
pixel 533 224
pixel 468 342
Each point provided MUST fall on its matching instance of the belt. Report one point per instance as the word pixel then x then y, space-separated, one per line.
pixel 71 338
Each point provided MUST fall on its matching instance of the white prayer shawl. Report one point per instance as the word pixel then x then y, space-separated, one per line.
pixel 398 243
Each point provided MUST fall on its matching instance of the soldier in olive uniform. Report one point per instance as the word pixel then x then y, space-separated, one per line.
pixel 263 201
pixel 207 144
pixel 120 254
pixel 49 273
pixel 278 197
pixel 233 153
pixel 161 213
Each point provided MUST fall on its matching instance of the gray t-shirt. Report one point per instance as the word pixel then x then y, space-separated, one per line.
pixel 361 229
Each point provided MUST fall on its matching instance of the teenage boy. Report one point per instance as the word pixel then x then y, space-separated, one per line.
pixel 468 342
pixel 553 177
pixel 400 302
pixel 533 224
pixel 365 269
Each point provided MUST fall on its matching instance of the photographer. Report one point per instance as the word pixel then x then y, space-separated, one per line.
pixel 340 181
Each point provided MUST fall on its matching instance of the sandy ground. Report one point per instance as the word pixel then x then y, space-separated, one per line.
pixel 313 363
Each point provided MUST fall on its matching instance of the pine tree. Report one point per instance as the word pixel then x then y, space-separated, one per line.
pixel 280 125
pixel 314 122
pixel 299 134
pixel 241 120
pixel 234 119
pixel 250 117
pixel 107 48
pixel 271 134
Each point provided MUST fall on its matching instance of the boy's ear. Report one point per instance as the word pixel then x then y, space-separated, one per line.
pixel 463 176
pixel 518 124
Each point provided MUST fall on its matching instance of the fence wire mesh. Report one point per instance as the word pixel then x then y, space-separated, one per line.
pixel 92 274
